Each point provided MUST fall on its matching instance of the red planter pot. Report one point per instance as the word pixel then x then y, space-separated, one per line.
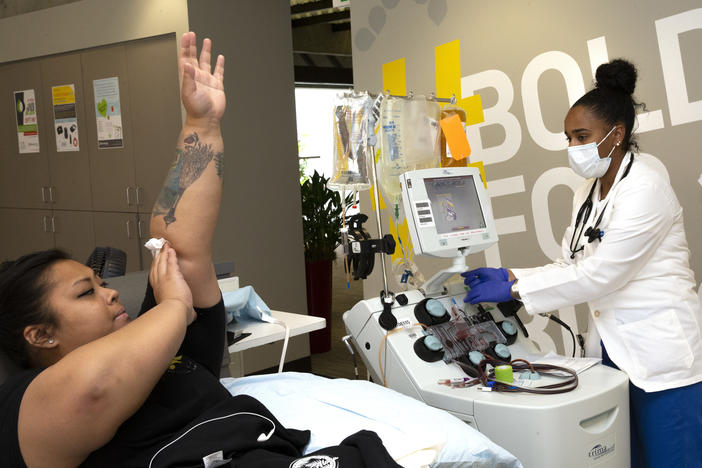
pixel 318 277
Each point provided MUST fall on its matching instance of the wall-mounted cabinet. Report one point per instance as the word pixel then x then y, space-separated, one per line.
pixel 92 196
pixel 124 231
pixel 24 178
pixel 27 230
pixel 69 171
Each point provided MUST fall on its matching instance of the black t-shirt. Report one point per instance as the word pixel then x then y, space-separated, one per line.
pixel 10 398
pixel 189 387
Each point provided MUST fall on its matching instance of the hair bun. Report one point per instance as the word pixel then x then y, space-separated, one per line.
pixel 617 75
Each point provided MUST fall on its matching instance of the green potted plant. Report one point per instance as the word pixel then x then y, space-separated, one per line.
pixel 321 224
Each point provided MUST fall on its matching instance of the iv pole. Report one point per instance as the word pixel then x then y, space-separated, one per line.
pixel 387 320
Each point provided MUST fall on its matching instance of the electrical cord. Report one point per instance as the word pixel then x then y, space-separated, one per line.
pixel 565 325
pixel 581 343
pixel 346 340
pixel 285 344
pixel 268 319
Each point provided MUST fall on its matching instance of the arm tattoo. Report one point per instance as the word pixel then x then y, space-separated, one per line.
pixel 219 163
pixel 189 165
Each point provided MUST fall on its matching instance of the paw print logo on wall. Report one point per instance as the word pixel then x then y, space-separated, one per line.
pixel 436 10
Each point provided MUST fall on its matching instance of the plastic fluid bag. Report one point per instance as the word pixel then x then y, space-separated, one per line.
pixel 421 124
pixel 352 157
pixel 409 140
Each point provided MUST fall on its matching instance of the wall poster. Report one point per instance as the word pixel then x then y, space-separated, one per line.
pixel 27 125
pixel 65 118
pixel 108 113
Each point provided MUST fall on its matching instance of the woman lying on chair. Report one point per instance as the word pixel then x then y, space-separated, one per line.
pixel 100 390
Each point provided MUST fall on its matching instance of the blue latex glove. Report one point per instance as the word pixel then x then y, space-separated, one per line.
pixel 490 291
pixel 480 275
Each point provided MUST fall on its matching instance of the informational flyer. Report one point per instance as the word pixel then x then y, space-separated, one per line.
pixel 65 118
pixel 27 124
pixel 108 113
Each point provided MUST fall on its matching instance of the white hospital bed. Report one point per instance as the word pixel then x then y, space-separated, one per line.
pixel 414 433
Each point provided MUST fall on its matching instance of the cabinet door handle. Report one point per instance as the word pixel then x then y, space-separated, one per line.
pixel 129 231
pixel 53 224
pixel 51 193
pixel 43 194
pixel 138 195
pixel 129 200
pixel 44 219
pixel 139 229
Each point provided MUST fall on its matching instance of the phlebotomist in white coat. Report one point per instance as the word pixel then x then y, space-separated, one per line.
pixel 625 254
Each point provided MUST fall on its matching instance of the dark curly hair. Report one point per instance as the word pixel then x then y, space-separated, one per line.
pixel 612 98
pixel 23 288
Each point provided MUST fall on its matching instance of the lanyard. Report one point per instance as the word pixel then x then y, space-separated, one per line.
pixel 593 232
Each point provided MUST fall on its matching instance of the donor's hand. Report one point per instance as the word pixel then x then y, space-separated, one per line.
pixel 202 90
pixel 167 281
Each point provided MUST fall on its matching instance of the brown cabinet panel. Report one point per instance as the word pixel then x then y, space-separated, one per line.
pixel 144 235
pixel 112 170
pixel 74 232
pixel 22 176
pixel 24 231
pixel 119 230
pixel 152 67
pixel 70 170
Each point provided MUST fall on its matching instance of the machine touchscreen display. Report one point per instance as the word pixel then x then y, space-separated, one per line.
pixel 455 203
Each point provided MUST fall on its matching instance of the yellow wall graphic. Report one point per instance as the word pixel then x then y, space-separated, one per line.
pixel 447 66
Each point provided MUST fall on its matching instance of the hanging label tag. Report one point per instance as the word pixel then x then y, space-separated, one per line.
pixel 455 137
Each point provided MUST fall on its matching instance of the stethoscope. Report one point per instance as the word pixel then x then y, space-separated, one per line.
pixel 593 232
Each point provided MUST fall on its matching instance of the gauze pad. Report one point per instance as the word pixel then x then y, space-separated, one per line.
pixel 155 245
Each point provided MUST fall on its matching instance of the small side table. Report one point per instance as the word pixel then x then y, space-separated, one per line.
pixel 263 333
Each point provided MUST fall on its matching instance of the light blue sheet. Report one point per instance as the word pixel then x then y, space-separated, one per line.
pixel 336 408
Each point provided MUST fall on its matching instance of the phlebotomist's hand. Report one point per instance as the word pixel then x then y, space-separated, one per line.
pixel 202 90
pixel 488 285
pixel 490 291
pixel 479 275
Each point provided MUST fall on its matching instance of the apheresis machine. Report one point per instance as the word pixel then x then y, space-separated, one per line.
pixel 477 362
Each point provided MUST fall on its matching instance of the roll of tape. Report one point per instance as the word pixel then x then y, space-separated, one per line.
pixel 504 374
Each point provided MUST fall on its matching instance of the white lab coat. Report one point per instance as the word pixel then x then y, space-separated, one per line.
pixel 636 281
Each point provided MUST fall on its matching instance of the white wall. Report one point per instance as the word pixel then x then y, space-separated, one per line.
pixel 530 61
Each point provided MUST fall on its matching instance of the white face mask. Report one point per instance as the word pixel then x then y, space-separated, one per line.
pixel 585 159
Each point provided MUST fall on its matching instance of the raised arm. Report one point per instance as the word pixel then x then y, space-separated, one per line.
pixel 186 210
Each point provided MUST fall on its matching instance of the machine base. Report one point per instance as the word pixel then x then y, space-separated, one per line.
pixel 586 427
